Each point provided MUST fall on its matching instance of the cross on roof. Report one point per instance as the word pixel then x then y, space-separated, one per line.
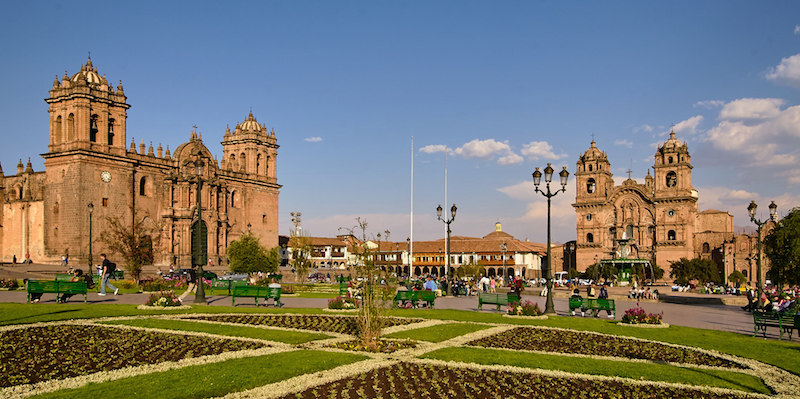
pixel 629 173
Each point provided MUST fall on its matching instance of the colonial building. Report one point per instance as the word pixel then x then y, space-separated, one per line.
pixel 90 174
pixel 658 220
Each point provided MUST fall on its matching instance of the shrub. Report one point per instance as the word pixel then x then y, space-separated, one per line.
pixel 11 284
pixel 342 303
pixel 157 285
pixel 125 284
pixel 163 298
pixel 527 308
pixel 637 315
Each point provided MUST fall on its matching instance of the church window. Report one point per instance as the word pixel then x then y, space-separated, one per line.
pixel 706 248
pixel 590 168
pixel 628 231
pixel 111 132
pixel 671 213
pixel 590 186
pixel 243 162
pixel 57 131
pixel 588 217
pixel 105 202
pixel 744 272
pixel 671 235
pixel 258 163
pixel 143 186
pixel 589 238
pixel 233 199
pixel 93 129
pixel 672 179
pixel 70 127
pixel 669 160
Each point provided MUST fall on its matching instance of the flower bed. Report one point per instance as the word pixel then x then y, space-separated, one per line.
pixel 565 341
pixel 163 299
pixel 526 308
pixel 343 303
pixel 637 315
pixel 35 354
pixel 381 346
pixel 336 324
pixel 434 381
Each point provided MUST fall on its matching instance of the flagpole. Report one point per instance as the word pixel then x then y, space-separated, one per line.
pixel 411 230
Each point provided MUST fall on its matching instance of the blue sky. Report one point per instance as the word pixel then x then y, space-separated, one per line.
pixel 505 86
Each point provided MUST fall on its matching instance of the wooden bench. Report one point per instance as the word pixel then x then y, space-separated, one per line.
pixel 593 304
pixel 226 284
pixel 414 297
pixel 117 274
pixel 785 322
pixel 57 287
pixel 64 276
pixel 256 292
pixel 497 299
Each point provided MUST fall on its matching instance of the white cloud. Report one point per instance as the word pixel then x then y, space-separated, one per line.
pixel 313 139
pixel 751 108
pixel 510 159
pixel 688 126
pixel 710 104
pixel 536 150
pixel 624 143
pixel 643 128
pixel 797 29
pixel 433 148
pixel 787 72
pixel 483 149
pixel 758 132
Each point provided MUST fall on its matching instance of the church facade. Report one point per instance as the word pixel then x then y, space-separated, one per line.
pixel 660 218
pixel 90 174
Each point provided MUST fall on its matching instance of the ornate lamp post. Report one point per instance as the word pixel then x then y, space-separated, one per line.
pixel 504 248
pixel 91 210
pixel 447 252
pixel 537 179
pixel 773 214
pixel 199 237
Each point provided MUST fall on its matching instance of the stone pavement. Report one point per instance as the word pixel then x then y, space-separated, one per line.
pixel 694 310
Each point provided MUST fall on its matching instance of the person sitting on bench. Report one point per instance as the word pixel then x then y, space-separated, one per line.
pixel 78 275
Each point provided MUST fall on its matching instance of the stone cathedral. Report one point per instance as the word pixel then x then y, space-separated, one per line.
pixel 46 213
pixel 659 219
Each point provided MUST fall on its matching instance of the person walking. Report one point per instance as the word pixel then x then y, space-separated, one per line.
pixel 108 270
pixel 191 280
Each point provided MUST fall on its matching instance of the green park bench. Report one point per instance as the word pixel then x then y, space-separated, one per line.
pixel 497 299
pixel 117 274
pixel 56 287
pixel 64 276
pixel 593 304
pixel 414 297
pixel 226 284
pixel 785 322
pixel 343 289
pixel 256 292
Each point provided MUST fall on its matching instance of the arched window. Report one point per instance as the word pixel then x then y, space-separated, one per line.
pixel 143 186
pixel 629 231
pixel 70 127
pixel 111 132
pixel 232 162
pixel 589 238
pixel 671 235
pixel 93 129
pixel 590 167
pixel 672 179
pixel 243 162
pixel 57 133
pixel 706 248
pixel 590 186
pixel 233 199
pixel 669 160
pixel 258 163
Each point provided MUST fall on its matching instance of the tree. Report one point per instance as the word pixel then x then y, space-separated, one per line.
pixel 736 278
pixel 135 244
pixel 247 255
pixel 702 270
pixel 301 254
pixel 647 272
pixel 470 269
pixel 598 271
pixel 782 247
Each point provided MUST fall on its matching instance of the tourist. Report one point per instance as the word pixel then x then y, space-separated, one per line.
pixel 518 285
pixel 632 292
pixel 576 294
pixel 191 280
pixel 604 295
pixel 492 285
pixel 78 276
pixel 108 271
pixel 430 285
pixel 14 259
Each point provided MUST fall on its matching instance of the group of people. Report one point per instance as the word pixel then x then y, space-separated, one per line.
pixel 773 299
pixel 107 270
pixel 642 293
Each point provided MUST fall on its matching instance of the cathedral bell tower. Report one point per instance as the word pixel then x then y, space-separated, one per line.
pixel 594 184
pixel 250 149
pixel 87 113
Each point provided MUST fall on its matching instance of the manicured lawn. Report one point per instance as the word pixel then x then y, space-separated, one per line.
pixel 211 380
pixel 21 313
pixel 634 370
pixel 317 294
pixel 439 333
pixel 783 354
pixel 289 337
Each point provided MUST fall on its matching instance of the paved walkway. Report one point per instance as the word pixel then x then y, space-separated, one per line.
pixel 703 313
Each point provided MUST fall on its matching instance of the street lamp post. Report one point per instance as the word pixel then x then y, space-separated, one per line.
pixel 773 213
pixel 537 179
pixel 503 248
pixel 447 252
pixel 91 210
pixel 199 255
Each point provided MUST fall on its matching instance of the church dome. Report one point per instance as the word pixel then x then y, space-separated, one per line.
pixel 250 125
pixel 593 153
pixel 88 74
pixel 672 145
